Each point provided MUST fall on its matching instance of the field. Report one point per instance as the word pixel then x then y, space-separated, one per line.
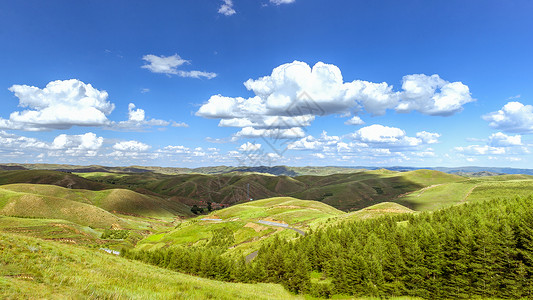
pixel 241 222
pixel 470 189
pixel 45 215
pixel 33 268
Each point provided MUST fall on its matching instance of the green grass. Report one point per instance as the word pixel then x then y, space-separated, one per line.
pixel 472 189
pixel 33 268
pixel 502 189
pixel 88 208
pixel 242 221
pixel 50 229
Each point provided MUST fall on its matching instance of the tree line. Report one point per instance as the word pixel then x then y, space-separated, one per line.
pixel 482 249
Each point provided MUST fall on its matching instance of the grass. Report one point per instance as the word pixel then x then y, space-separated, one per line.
pixel 84 207
pixel 470 189
pixel 242 221
pixel 33 268
pixel 49 229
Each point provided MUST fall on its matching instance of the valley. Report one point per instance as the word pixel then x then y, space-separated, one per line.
pixel 149 217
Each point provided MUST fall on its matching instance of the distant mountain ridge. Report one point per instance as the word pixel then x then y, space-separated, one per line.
pixel 273 170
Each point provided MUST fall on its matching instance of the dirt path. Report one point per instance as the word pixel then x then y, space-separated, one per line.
pixel 421 191
pixel 469 192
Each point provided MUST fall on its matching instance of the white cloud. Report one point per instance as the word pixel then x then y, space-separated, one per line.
pixel 480 150
pixel 63 104
pixel 355 121
pixel 248 147
pixel 386 137
pixel 502 140
pixel 278 2
pixel 169 65
pixel 432 95
pixel 295 90
pixel 60 105
pixel 309 142
pixel 497 144
pixel 289 133
pixel 175 149
pixel 131 146
pixel 135 115
pixel 136 120
pixel 179 124
pixel 87 141
pixel 513 117
pixel 12 141
pixel 63 145
pixel 318 155
pixel 227 8
pixel 428 137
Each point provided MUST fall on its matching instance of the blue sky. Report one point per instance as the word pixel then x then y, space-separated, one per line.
pixel 246 82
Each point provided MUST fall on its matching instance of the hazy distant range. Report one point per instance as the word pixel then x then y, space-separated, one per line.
pixel 274 170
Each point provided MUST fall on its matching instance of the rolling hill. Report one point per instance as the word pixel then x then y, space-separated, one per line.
pixel 50 177
pixel 347 192
pixel 37 269
pixel 84 216
pixel 471 189
pixel 245 224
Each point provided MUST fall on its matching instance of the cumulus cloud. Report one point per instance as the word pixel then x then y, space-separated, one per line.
pixel 480 150
pixel 428 137
pixel 169 65
pixel 87 141
pixel 63 104
pixel 131 146
pixel 63 145
pixel 431 95
pixel 355 120
pixel 60 105
pixel 276 133
pixel 227 8
pixel 296 90
pixel 513 117
pixel 136 120
pixel 386 137
pixel 375 143
pixel 497 144
pixel 11 141
pixel 502 140
pixel 322 143
pixel 248 147
pixel 175 149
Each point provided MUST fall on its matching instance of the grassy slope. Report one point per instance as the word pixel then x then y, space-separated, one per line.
pixel 473 189
pixel 242 220
pixel 57 213
pixel 32 268
pixel 23 204
pixel 343 191
pixel 115 200
pixel 50 229
pixel 360 190
pixel 50 177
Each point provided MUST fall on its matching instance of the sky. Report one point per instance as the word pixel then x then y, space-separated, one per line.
pixel 188 83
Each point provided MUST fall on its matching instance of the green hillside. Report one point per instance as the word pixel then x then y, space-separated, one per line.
pixel 83 216
pixel 50 177
pixel 36 269
pixel 350 191
pixel 119 201
pixel 472 189
pixel 240 224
